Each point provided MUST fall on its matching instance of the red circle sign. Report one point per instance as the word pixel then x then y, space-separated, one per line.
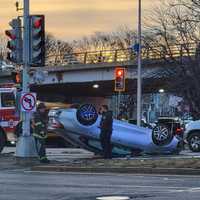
pixel 28 102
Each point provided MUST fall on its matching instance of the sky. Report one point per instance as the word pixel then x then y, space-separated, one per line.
pixel 74 19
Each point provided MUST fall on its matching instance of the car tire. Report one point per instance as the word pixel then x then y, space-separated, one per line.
pixel 87 115
pixel 162 135
pixel 2 140
pixel 194 141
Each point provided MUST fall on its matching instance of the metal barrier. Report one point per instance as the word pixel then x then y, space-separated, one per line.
pixel 122 55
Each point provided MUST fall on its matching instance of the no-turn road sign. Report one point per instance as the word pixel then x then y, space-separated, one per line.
pixel 28 102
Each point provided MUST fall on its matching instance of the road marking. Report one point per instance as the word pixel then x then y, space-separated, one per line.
pixel 127 186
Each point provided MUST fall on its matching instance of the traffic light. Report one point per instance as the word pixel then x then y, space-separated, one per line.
pixel 15 43
pixel 119 79
pixel 16 77
pixel 37 40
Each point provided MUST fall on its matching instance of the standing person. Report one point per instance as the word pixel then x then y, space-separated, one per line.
pixel 106 131
pixel 39 125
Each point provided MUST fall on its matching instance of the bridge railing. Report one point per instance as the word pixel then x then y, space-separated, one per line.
pixel 122 55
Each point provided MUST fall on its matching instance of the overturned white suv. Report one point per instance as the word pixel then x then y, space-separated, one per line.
pixel 192 135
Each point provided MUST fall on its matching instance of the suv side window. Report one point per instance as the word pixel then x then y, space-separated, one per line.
pixel 7 99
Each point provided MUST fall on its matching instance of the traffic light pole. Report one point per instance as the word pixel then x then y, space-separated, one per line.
pixel 26 144
pixel 119 100
pixel 139 76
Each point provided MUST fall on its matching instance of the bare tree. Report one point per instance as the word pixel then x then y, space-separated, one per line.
pixel 122 38
pixel 174 29
pixel 101 44
pixel 3 48
pixel 56 50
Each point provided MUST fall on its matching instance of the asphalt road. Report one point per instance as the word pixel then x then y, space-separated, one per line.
pixel 23 185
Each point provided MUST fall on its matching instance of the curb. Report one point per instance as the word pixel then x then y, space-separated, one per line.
pixel 26 161
pixel 169 171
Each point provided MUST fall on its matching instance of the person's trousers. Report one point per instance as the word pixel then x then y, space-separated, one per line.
pixel 105 139
pixel 41 149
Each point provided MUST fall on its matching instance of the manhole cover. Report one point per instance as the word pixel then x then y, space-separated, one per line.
pixel 113 198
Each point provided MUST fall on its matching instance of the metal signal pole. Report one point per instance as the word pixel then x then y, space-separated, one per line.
pixel 139 76
pixel 26 144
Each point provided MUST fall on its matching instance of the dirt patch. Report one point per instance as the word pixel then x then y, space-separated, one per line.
pixel 193 163
pixel 8 161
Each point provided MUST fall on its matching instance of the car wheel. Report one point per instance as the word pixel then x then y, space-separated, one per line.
pixel 162 135
pixel 2 140
pixel 87 115
pixel 194 141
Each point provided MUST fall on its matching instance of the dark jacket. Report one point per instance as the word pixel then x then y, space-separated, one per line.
pixel 39 126
pixel 106 121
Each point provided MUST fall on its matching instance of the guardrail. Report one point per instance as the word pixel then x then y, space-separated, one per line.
pixel 122 55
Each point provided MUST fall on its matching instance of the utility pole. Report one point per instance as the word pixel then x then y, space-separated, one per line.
pixel 26 144
pixel 139 76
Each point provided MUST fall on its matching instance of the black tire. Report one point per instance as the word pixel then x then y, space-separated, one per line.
pixel 194 141
pixel 2 140
pixel 87 115
pixel 162 135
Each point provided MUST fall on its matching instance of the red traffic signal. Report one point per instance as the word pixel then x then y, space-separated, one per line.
pixel 119 72
pixel 119 79
pixel 37 23
pixel 10 34
pixel 16 77
pixel 37 44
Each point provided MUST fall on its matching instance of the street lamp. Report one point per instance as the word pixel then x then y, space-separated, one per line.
pixel 139 77
pixel 161 90
pixel 96 86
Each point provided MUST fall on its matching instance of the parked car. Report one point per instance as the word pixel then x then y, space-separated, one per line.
pixel 81 127
pixel 192 135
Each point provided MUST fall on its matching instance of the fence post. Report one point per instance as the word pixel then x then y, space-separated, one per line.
pixel 85 58
pixel 115 55
pixel 181 54
pixel 148 49
pixel 100 58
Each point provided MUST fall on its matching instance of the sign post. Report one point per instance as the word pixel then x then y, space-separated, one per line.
pixel 26 144
pixel 139 75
